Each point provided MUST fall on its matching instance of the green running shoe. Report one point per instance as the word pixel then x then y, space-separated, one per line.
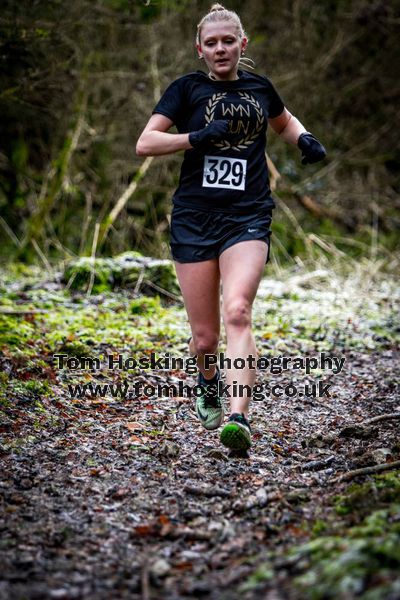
pixel 237 433
pixel 209 406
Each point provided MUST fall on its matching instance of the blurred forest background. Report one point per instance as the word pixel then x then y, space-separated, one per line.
pixel 79 80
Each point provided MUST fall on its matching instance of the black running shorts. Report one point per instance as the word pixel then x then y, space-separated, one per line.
pixel 198 235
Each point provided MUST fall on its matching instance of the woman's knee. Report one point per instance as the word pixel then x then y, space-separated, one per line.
pixel 206 342
pixel 237 313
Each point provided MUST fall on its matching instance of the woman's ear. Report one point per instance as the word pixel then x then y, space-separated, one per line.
pixel 244 43
pixel 199 51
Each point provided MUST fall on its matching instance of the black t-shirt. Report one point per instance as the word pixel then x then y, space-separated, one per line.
pixel 229 175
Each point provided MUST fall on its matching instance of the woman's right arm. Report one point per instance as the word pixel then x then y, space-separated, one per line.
pixel 155 141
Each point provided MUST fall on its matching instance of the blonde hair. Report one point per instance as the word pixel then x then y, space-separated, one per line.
pixel 218 13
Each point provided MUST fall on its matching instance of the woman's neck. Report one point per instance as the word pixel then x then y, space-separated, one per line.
pixel 233 77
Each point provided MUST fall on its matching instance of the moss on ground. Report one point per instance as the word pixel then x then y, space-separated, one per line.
pixel 356 553
pixel 127 270
pixel 366 556
pixel 360 499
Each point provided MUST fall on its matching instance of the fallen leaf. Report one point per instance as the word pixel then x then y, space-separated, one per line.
pixel 134 425
pixel 144 530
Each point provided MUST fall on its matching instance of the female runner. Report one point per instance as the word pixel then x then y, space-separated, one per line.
pixel 222 209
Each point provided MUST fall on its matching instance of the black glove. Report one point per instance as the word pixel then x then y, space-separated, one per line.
pixel 312 150
pixel 214 131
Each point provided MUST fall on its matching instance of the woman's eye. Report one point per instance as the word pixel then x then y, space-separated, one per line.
pixel 228 41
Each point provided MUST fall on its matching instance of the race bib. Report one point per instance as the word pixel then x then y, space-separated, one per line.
pixel 224 172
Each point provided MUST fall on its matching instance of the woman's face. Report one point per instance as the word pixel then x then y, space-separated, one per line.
pixel 221 48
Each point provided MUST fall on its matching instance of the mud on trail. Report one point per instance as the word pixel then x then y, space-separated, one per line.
pixel 110 497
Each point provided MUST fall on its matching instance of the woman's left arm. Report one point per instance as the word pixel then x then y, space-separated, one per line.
pixel 292 131
pixel 287 126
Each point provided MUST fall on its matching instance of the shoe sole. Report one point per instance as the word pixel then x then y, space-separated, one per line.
pixel 235 437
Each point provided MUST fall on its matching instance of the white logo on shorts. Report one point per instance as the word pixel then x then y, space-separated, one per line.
pixel 252 230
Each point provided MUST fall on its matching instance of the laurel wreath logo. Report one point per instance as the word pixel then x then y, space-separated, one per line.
pixel 250 138
pixel 212 105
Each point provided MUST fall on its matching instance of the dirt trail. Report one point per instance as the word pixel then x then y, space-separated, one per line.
pixel 128 499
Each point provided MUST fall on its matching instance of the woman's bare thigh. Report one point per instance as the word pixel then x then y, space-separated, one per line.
pixel 200 287
pixel 242 266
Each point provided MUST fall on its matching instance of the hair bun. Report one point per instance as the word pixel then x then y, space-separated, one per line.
pixel 220 14
pixel 216 7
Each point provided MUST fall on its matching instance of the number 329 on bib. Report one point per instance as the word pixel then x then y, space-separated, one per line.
pixel 224 172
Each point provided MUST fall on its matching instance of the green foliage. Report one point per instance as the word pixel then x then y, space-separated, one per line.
pixel 33 388
pixel 262 574
pixel 127 270
pixel 345 560
pixel 360 499
pixel 145 305
pixel 15 333
pixel 151 10
pixel 72 347
pixel 319 527
pixel 118 5
pixel 337 566
pixel 57 179
pixel 19 154
pixel 4 400
pixel 80 273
